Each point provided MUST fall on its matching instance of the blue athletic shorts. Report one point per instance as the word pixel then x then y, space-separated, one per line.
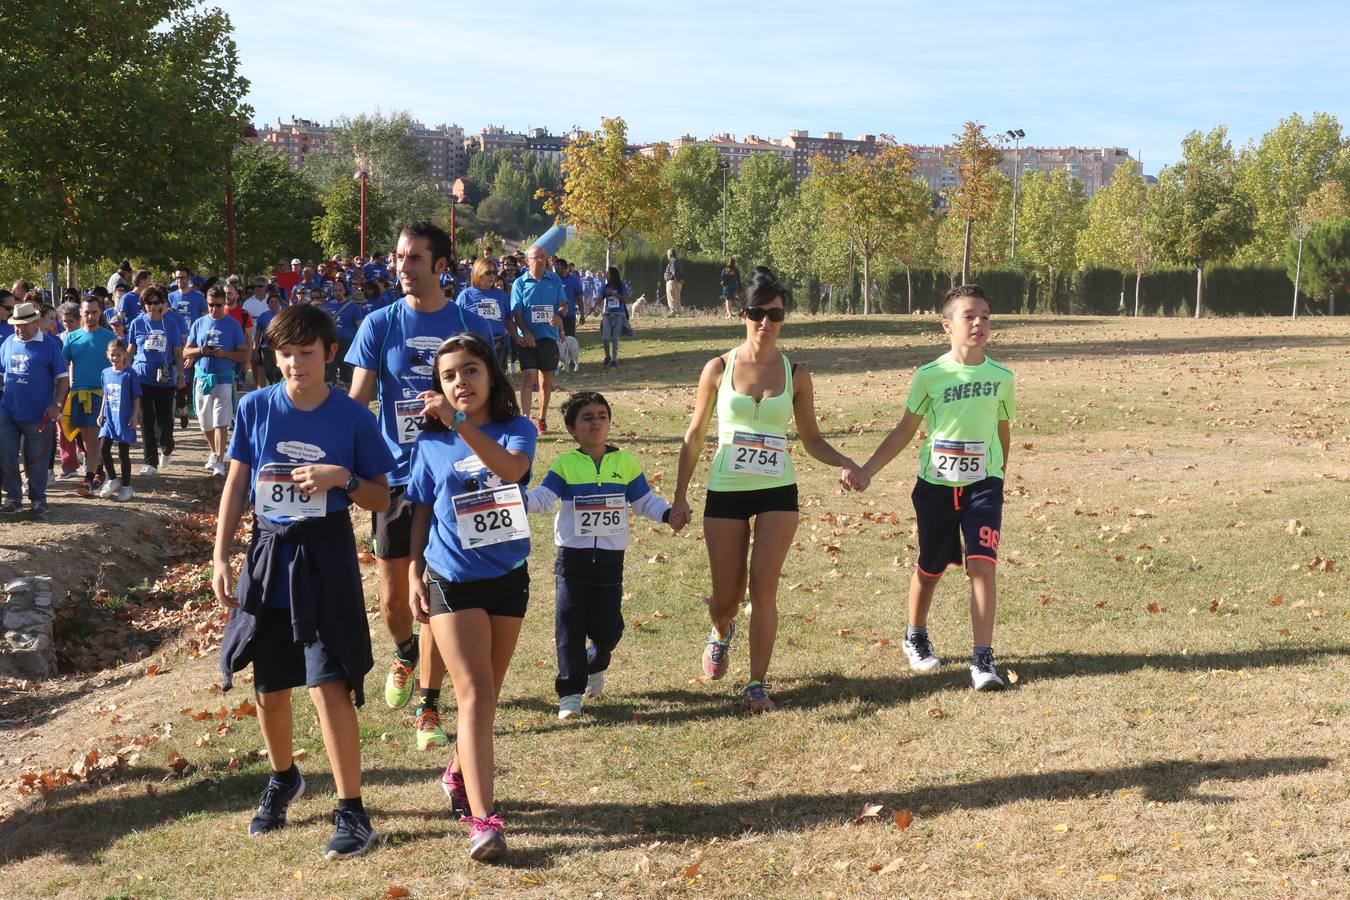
pixel 949 516
pixel 279 663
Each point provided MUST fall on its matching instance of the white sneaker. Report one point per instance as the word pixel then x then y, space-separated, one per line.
pixel 220 469
pixel 146 471
pixel 211 460
pixel 124 494
pixel 983 675
pixel 164 458
pixel 920 654
pixel 595 684
pixel 109 488
pixel 569 706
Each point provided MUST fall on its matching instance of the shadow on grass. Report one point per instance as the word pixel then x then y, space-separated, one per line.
pixel 81 830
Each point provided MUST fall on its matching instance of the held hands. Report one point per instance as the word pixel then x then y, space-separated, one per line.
pixel 678 519
pixel 135 420
pixel 312 479
pixel 435 404
pixel 853 477
pixel 222 584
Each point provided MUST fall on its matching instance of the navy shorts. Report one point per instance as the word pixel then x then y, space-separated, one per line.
pixel 279 663
pixel 950 516
pixel 505 595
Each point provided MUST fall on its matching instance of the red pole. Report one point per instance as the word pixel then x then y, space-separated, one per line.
pixel 363 215
pixel 229 214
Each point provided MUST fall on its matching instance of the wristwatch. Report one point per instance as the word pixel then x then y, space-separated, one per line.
pixel 458 420
pixel 352 484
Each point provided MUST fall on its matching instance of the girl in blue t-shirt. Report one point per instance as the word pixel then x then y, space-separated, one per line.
pixel 470 540
pixel 118 418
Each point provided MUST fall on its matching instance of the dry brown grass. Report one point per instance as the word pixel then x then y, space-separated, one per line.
pixel 1179 723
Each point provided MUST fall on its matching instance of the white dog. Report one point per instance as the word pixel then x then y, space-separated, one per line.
pixel 569 352
pixel 639 307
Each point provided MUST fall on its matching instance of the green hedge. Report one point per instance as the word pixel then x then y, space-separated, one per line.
pixel 644 271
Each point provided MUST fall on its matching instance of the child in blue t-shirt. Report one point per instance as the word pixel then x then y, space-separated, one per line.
pixel 470 540
pixel 302 454
pixel 118 418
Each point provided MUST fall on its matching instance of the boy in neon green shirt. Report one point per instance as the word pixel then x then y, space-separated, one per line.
pixel 966 403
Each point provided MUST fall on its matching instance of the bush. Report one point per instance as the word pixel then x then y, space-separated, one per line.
pixel 1005 289
pixel 644 271
pixel 1247 291
pixel 1096 292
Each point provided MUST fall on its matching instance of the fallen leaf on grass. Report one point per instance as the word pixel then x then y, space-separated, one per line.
pixel 891 867
pixel 658 558
pixel 1012 676
pixel 244 710
pixel 692 871
pixel 659 614
pixel 1278 601
pixel 903 819
pixel 177 762
pixel 936 712
pixel 1106 877
pixel 396 891
pixel 869 811
pixel 154 669
pixel 1153 608
pixel 1296 528
pixel 1100 604
pixel 300 754
pixel 1062 827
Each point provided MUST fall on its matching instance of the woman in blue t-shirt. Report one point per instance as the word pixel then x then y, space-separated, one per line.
pixel 482 296
pixel 470 540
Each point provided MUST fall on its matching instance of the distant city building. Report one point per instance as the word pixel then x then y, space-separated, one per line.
pixel 1091 166
pixel 832 145
pixel 442 147
pixel 535 142
pixel 731 150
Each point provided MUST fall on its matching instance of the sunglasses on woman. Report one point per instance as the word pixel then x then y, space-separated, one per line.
pixel 759 314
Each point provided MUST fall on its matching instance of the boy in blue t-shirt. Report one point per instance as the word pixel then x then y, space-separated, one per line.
pixel 302 454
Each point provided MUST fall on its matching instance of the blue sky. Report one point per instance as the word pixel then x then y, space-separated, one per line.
pixel 1139 75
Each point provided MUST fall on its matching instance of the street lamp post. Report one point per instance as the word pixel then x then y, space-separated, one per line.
pixel 725 167
pixel 361 176
pixel 1016 134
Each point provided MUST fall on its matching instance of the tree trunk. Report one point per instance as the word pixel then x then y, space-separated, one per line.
pixel 965 256
pixel 909 291
pixel 1199 286
pixel 1331 303
pixel 867 284
pixel 609 246
pixel 55 270
pixel 848 291
pixel 1298 270
pixel 1138 280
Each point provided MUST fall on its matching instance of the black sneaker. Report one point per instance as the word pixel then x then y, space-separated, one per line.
pixel 352 835
pixel 39 508
pixel 276 799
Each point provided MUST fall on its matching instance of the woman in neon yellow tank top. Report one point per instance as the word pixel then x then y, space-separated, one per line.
pixel 756 392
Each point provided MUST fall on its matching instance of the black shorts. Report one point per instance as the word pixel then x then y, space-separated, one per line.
pixel 279 663
pixel 744 505
pixel 391 530
pixel 542 356
pixel 505 595
pixel 950 515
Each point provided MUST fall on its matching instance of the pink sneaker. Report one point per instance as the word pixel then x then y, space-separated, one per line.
pixel 717 653
pixel 453 785
pixel 486 841
pixel 757 695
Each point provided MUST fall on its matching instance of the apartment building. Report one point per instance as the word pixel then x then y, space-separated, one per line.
pixel 734 152
pixel 442 146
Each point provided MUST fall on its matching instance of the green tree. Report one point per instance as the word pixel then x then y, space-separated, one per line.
pixel 1330 201
pixel 1114 235
pixel 1326 260
pixel 338 229
pixel 918 246
pixel 506 209
pixel 482 171
pixel 274 210
pixel 1281 172
pixel 120 118
pixel 976 197
pixel 383 146
pixel 802 243
pixel 1197 214
pixel 874 201
pixel 1051 216
pixel 756 196
pixel 605 190
pixel 989 243
pixel 693 175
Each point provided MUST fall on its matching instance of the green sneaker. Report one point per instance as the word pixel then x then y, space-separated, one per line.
pixel 399 684
pixel 429 730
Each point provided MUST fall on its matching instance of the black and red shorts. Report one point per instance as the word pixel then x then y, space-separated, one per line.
pixel 949 516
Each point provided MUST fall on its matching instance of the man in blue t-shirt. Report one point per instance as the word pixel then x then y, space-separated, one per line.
pixel 391 358
pixel 185 299
pixel 538 302
pixel 576 292
pixel 215 344
pixel 36 381
pixel 86 350
pixel 376 268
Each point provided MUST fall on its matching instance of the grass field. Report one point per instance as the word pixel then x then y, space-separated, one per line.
pixel 1180 723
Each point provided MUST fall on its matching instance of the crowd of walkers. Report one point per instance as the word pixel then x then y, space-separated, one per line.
pixel 393 393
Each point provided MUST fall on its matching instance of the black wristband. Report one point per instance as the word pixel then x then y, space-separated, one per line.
pixel 665 516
